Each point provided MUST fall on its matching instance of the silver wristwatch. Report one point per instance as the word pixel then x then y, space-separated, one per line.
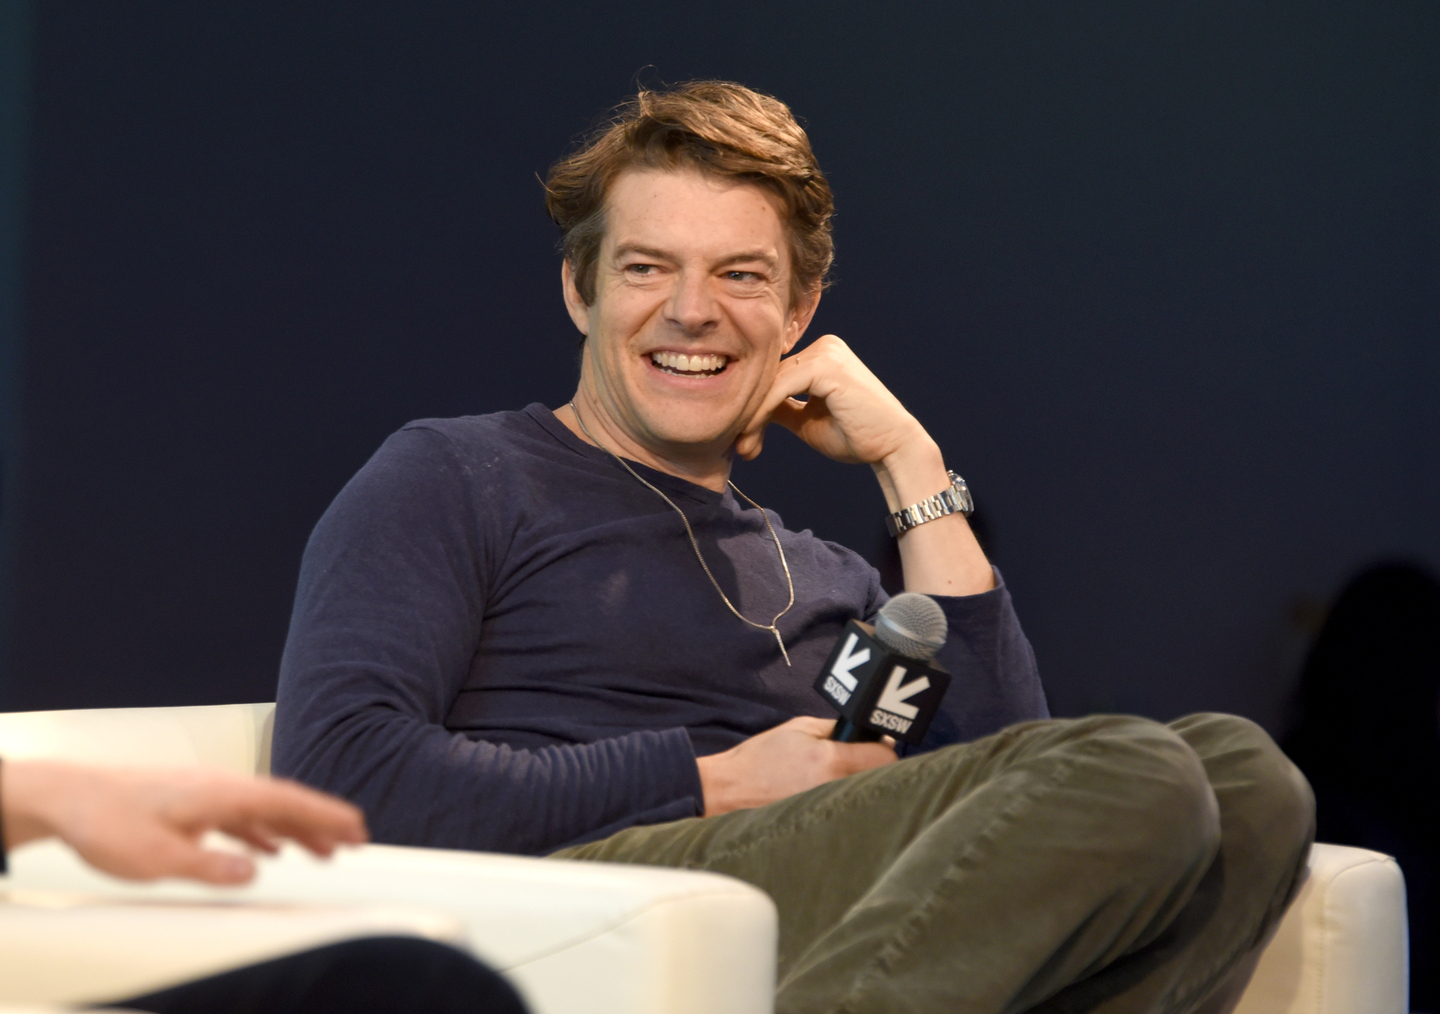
pixel 955 500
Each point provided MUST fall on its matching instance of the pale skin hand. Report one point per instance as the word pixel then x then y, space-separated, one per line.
pixel 850 416
pixel 782 761
pixel 143 824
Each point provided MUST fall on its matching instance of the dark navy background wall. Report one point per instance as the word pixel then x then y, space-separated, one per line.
pixel 1161 279
pixel 14 131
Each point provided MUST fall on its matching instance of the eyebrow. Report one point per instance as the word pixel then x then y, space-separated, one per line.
pixel 644 251
pixel 751 255
pixel 661 255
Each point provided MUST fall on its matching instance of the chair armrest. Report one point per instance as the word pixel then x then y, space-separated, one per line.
pixel 37 1008
pixel 573 937
pixel 1342 947
pixel 58 947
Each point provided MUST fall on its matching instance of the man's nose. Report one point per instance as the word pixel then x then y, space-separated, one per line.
pixel 692 305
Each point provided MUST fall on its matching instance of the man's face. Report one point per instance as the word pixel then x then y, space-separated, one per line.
pixel 691 311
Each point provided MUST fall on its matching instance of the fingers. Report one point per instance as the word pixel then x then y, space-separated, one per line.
pixel 793 415
pixel 820 728
pixel 261 811
pixel 850 756
pixel 848 414
pixel 796 376
pixel 864 756
pixel 219 868
pixel 842 759
pixel 257 837
pixel 135 847
pixel 802 373
pixel 143 824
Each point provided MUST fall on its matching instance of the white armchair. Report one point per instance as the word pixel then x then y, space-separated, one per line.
pixel 595 938
pixel 571 936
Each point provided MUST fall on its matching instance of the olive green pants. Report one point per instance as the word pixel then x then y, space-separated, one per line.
pixel 1104 864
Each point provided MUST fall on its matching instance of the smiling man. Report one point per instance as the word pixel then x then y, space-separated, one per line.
pixel 566 632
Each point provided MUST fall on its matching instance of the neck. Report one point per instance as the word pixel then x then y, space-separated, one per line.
pixel 703 465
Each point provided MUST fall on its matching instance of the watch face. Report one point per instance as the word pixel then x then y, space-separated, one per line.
pixel 962 493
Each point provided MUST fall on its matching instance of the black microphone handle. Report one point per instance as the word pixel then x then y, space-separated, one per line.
pixel 846 731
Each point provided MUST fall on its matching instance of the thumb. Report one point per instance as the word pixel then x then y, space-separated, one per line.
pixel 750 443
pixel 789 413
pixel 811 725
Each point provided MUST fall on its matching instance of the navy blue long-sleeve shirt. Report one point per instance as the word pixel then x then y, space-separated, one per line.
pixel 502 641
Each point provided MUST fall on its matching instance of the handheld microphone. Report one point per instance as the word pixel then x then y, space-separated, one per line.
pixel 882 678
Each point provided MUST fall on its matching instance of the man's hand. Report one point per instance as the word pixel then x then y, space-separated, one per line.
pixel 782 761
pixel 143 824
pixel 849 415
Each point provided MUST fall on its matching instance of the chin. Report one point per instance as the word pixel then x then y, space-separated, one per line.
pixel 692 432
pixel 696 437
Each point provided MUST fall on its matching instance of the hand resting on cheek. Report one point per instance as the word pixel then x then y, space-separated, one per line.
pixel 849 415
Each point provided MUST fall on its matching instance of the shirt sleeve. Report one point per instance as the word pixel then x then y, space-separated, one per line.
pixel 994 681
pixel 385 626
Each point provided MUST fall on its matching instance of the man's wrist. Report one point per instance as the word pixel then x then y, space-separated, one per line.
pixel 714 785
pixel 954 500
pixel 911 474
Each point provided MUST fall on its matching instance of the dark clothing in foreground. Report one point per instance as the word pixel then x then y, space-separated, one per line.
pixel 502 641
pixel 376 975
pixel 1105 865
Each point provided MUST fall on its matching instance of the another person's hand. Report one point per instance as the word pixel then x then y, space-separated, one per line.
pixel 782 761
pixel 849 415
pixel 147 823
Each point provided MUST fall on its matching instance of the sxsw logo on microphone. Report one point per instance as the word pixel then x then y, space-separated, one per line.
pixel 879 689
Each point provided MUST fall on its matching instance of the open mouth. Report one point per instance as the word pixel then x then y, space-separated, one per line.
pixel 680 365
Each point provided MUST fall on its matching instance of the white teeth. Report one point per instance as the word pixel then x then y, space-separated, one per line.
pixel 679 362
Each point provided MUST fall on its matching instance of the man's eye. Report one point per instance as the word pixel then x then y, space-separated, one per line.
pixel 640 269
pixel 743 276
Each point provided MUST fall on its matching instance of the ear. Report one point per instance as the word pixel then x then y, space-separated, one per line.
pixel 579 312
pixel 799 317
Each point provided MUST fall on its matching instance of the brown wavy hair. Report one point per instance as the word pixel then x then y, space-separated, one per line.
pixel 721 128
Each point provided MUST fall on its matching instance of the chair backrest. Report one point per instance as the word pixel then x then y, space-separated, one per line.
pixel 233 737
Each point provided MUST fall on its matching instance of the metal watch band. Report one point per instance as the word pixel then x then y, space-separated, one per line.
pixel 955 500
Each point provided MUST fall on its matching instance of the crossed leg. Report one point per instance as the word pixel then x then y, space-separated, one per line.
pixel 1104 864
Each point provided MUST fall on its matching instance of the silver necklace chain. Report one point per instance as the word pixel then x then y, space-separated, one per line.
pixel 789 581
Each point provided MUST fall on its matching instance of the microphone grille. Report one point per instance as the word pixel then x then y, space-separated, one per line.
pixel 912 625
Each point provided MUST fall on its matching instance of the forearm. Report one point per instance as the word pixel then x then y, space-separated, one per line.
pixel 940 557
pixel 421 784
pixel 994 680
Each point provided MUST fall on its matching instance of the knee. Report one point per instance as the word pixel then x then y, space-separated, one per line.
pixel 1262 793
pixel 1168 812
